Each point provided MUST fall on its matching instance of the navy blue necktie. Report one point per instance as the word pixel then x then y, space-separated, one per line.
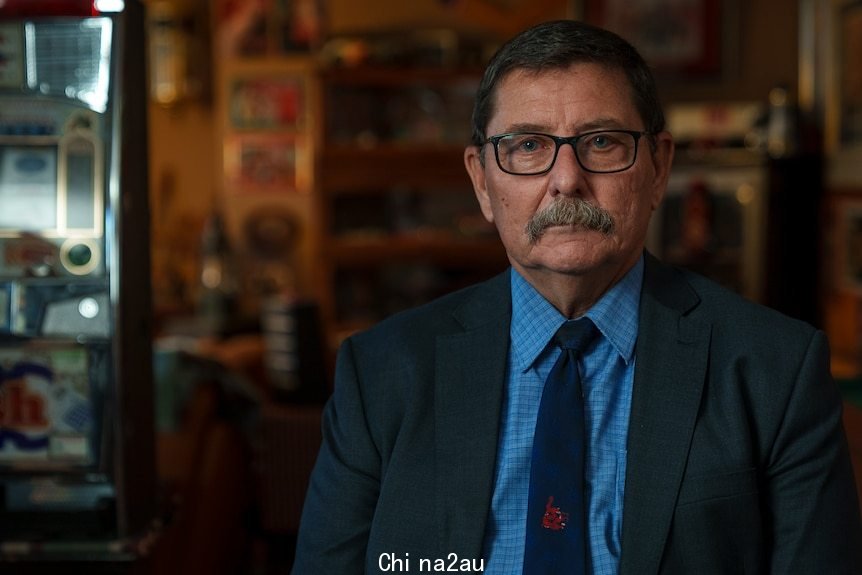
pixel 556 511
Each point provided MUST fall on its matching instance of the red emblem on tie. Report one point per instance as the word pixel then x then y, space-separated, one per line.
pixel 554 519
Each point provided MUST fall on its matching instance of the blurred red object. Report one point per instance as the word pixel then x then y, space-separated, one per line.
pixel 19 8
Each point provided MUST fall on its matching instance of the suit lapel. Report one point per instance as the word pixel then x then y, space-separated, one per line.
pixel 469 382
pixel 672 353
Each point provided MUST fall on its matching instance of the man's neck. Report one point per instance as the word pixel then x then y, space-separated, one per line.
pixel 574 294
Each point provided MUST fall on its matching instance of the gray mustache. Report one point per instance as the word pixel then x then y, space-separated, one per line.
pixel 569 212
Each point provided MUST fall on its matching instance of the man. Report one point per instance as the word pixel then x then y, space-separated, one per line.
pixel 711 437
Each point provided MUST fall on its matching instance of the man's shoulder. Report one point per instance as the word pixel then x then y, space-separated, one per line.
pixel 747 319
pixel 445 314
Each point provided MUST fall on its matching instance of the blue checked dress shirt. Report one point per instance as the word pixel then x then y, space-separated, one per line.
pixel 607 376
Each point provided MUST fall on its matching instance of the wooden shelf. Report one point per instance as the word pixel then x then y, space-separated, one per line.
pixel 347 169
pixel 451 251
pixel 380 145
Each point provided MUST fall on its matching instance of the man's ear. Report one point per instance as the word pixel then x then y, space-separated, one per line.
pixel 476 170
pixel 662 159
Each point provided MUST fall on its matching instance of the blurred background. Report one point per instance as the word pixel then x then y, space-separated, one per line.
pixel 273 175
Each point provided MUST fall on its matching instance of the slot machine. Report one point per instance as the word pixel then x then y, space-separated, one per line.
pixel 76 401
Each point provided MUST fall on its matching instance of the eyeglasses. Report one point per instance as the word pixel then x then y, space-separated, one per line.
pixel 599 152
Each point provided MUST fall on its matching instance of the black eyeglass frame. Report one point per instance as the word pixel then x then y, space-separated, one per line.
pixel 559 141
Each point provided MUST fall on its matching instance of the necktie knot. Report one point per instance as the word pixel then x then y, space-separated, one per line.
pixel 576 335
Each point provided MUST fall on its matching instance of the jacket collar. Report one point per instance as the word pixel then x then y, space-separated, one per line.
pixel 470 376
pixel 671 354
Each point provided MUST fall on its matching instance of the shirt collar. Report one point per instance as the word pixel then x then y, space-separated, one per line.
pixel 535 320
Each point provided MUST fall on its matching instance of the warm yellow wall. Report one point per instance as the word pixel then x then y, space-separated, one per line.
pixel 182 185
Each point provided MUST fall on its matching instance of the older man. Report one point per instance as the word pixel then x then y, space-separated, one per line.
pixel 590 410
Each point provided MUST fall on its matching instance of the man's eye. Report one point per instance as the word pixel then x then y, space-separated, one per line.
pixel 529 145
pixel 600 141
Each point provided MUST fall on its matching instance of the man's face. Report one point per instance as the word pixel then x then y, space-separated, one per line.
pixel 568 102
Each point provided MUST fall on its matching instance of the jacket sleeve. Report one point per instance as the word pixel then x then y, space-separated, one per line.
pixel 345 483
pixel 810 488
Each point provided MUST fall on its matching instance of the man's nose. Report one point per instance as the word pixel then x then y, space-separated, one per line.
pixel 566 174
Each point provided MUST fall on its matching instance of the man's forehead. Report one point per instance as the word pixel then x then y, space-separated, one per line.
pixel 524 95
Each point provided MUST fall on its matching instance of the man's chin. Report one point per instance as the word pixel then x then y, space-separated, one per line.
pixel 542 268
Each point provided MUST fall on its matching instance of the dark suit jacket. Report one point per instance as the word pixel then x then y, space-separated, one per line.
pixel 737 460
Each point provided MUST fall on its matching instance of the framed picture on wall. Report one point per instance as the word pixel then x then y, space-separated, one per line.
pixel 679 38
pixel 300 24
pixel 266 103
pixel 257 162
pixel 241 28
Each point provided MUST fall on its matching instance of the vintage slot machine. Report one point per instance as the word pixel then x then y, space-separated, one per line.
pixel 76 431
